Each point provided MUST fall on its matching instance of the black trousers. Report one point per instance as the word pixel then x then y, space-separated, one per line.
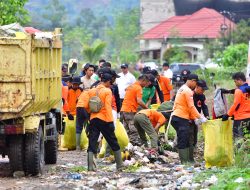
pixel 108 131
pixel 81 116
pixel 182 127
pixel 193 134
pixel 241 127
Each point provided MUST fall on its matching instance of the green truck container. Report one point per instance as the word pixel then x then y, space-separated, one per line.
pixel 30 100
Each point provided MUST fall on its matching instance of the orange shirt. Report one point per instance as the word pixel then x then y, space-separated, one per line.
pixel 72 99
pixel 65 91
pixel 132 92
pixel 166 87
pixel 114 107
pixel 105 95
pixel 243 100
pixel 83 100
pixel 184 104
pixel 154 116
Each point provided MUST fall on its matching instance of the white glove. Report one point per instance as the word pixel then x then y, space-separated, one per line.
pixel 203 119
pixel 118 116
pixel 197 122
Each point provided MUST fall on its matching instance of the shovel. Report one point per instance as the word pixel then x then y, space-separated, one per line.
pixel 167 129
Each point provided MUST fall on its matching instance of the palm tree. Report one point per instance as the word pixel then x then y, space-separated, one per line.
pixel 92 53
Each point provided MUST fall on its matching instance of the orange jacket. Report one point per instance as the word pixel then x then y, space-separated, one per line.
pixel 154 116
pixel 133 92
pixel 184 104
pixel 166 87
pixel 83 100
pixel 105 95
pixel 65 91
pixel 114 107
pixel 72 99
pixel 241 105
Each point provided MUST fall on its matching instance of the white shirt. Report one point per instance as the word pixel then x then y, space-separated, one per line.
pixel 86 83
pixel 168 73
pixel 123 82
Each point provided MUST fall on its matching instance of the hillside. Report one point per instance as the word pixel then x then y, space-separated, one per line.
pixel 108 8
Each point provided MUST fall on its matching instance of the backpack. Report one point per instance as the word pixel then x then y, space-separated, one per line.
pixel 95 103
pixel 219 104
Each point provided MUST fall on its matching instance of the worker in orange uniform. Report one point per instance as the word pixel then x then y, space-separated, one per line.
pixel 241 106
pixel 149 121
pixel 102 121
pixel 165 84
pixel 73 94
pixel 82 115
pixel 184 112
pixel 131 102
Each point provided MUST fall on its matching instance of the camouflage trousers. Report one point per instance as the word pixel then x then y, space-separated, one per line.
pixel 128 121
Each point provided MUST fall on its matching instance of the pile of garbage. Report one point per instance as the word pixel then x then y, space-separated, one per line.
pixel 15 30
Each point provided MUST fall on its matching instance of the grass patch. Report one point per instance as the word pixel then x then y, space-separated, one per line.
pixel 78 169
pixel 133 168
pixel 226 179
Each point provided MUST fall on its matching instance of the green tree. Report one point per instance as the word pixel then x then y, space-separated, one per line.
pixel 242 32
pixel 234 56
pixel 92 23
pixel 122 42
pixel 175 54
pixel 92 53
pixel 73 40
pixel 56 14
pixel 13 11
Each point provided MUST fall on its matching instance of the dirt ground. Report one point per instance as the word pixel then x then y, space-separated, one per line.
pixel 60 176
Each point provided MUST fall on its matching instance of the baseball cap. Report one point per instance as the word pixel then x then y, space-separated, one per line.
pixel 146 70
pixel 76 80
pixel 202 84
pixel 114 74
pixel 192 77
pixel 124 65
pixel 154 72
pixel 106 77
pixel 151 79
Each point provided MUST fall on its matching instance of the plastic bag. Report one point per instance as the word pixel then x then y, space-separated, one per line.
pixel 218 143
pixel 69 137
pixel 121 135
pixel 84 140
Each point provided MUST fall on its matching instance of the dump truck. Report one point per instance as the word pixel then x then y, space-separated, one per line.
pixel 30 100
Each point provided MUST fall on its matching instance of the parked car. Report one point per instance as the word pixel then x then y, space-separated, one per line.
pixel 150 64
pixel 180 71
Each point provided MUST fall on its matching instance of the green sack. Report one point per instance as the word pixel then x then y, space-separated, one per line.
pixel 166 106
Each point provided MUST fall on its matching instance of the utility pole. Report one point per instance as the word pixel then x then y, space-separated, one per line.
pixel 248 65
pixel 224 26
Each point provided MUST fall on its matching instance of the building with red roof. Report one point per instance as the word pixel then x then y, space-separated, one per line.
pixel 193 30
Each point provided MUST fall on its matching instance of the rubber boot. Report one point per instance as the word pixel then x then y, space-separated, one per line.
pixel 91 165
pixel 191 153
pixel 184 155
pixel 78 141
pixel 118 160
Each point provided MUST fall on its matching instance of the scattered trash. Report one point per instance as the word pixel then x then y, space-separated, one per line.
pixel 18 174
pixel 239 180
pixel 74 176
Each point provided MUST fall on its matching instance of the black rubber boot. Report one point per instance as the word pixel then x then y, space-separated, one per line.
pixel 91 164
pixel 78 141
pixel 118 160
pixel 184 155
pixel 191 153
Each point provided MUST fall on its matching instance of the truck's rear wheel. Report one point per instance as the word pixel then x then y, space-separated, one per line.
pixel 16 152
pixel 50 152
pixel 34 152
